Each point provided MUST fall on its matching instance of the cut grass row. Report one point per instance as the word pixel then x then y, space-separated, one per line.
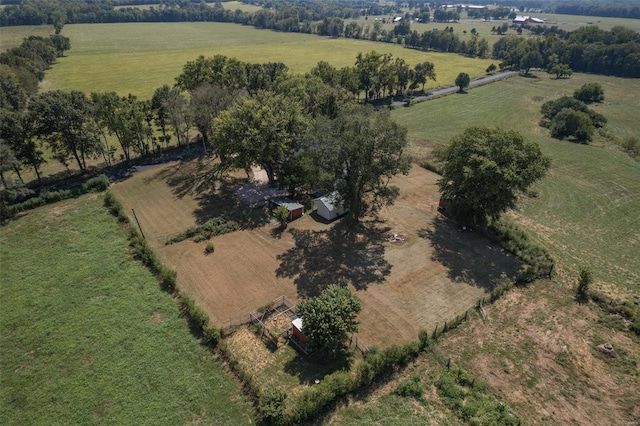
pixel 89 337
pixel 587 213
pixel 148 55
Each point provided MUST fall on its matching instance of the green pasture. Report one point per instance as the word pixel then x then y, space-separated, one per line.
pixel 138 58
pixel 88 337
pixel 231 5
pixel 588 210
pixel 573 22
pixel 236 5
pixel 12 36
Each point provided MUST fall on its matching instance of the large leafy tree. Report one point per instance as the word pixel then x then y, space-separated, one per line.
pixel 62 120
pixel 484 170
pixel 17 130
pixel 362 150
pixel 329 317
pixel 265 130
pixel 462 81
pixel 421 73
pixel 207 101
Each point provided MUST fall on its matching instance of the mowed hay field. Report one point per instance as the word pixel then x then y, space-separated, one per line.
pixel 138 58
pixel 437 273
pixel 588 209
pixel 88 336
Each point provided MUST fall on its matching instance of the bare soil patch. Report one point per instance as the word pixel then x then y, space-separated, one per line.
pixel 433 273
pixel 540 348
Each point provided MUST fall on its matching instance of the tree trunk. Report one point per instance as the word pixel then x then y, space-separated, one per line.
pixel 17 170
pixel 77 157
pixel 270 175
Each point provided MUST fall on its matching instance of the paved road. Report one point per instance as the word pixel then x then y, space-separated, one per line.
pixel 454 89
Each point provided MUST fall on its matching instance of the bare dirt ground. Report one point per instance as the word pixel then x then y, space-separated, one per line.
pixel 539 347
pixel 432 274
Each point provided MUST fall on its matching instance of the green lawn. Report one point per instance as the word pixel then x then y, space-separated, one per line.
pixel 88 337
pixel 588 212
pixel 147 55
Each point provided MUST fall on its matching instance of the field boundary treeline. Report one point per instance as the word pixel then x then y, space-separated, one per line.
pixel 96 184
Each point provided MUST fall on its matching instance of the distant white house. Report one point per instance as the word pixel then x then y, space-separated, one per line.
pixel 519 19
pixel 329 207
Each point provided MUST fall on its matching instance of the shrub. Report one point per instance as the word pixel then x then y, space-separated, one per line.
pixel 211 334
pixel 432 166
pixel 551 108
pixel 590 92
pixel 411 387
pixel 273 402
pixel 584 281
pixel 98 184
pixel 631 146
pixel 115 207
pixel 423 337
pixel 571 123
pixel 364 373
pixel 168 278
pixel 198 316
pixel 209 248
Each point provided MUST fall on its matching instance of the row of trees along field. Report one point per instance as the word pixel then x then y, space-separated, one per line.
pixel 304 130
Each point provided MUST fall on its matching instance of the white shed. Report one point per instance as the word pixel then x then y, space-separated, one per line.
pixel 329 206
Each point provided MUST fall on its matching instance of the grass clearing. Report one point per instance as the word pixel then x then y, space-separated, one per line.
pixel 89 337
pixel 148 55
pixel 587 212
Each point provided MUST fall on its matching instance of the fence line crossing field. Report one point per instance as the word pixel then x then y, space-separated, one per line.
pixel 430 274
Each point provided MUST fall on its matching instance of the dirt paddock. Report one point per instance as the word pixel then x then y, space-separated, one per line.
pixel 432 273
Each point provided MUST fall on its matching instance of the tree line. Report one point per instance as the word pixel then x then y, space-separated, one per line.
pixel 587 49
pixel 307 131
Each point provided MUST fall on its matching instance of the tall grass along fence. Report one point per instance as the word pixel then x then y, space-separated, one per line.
pixel 167 278
pixel 96 184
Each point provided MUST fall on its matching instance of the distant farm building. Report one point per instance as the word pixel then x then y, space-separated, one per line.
pixel 527 20
pixel 329 207
pixel 296 210
pixel 397 19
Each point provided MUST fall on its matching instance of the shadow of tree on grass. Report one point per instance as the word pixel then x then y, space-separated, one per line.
pixel 321 258
pixel 204 180
pixel 317 365
pixel 469 255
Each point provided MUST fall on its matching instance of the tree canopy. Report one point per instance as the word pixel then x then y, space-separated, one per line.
pixel 462 81
pixel 361 150
pixel 264 130
pixel 484 169
pixel 329 317
pixel 590 92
